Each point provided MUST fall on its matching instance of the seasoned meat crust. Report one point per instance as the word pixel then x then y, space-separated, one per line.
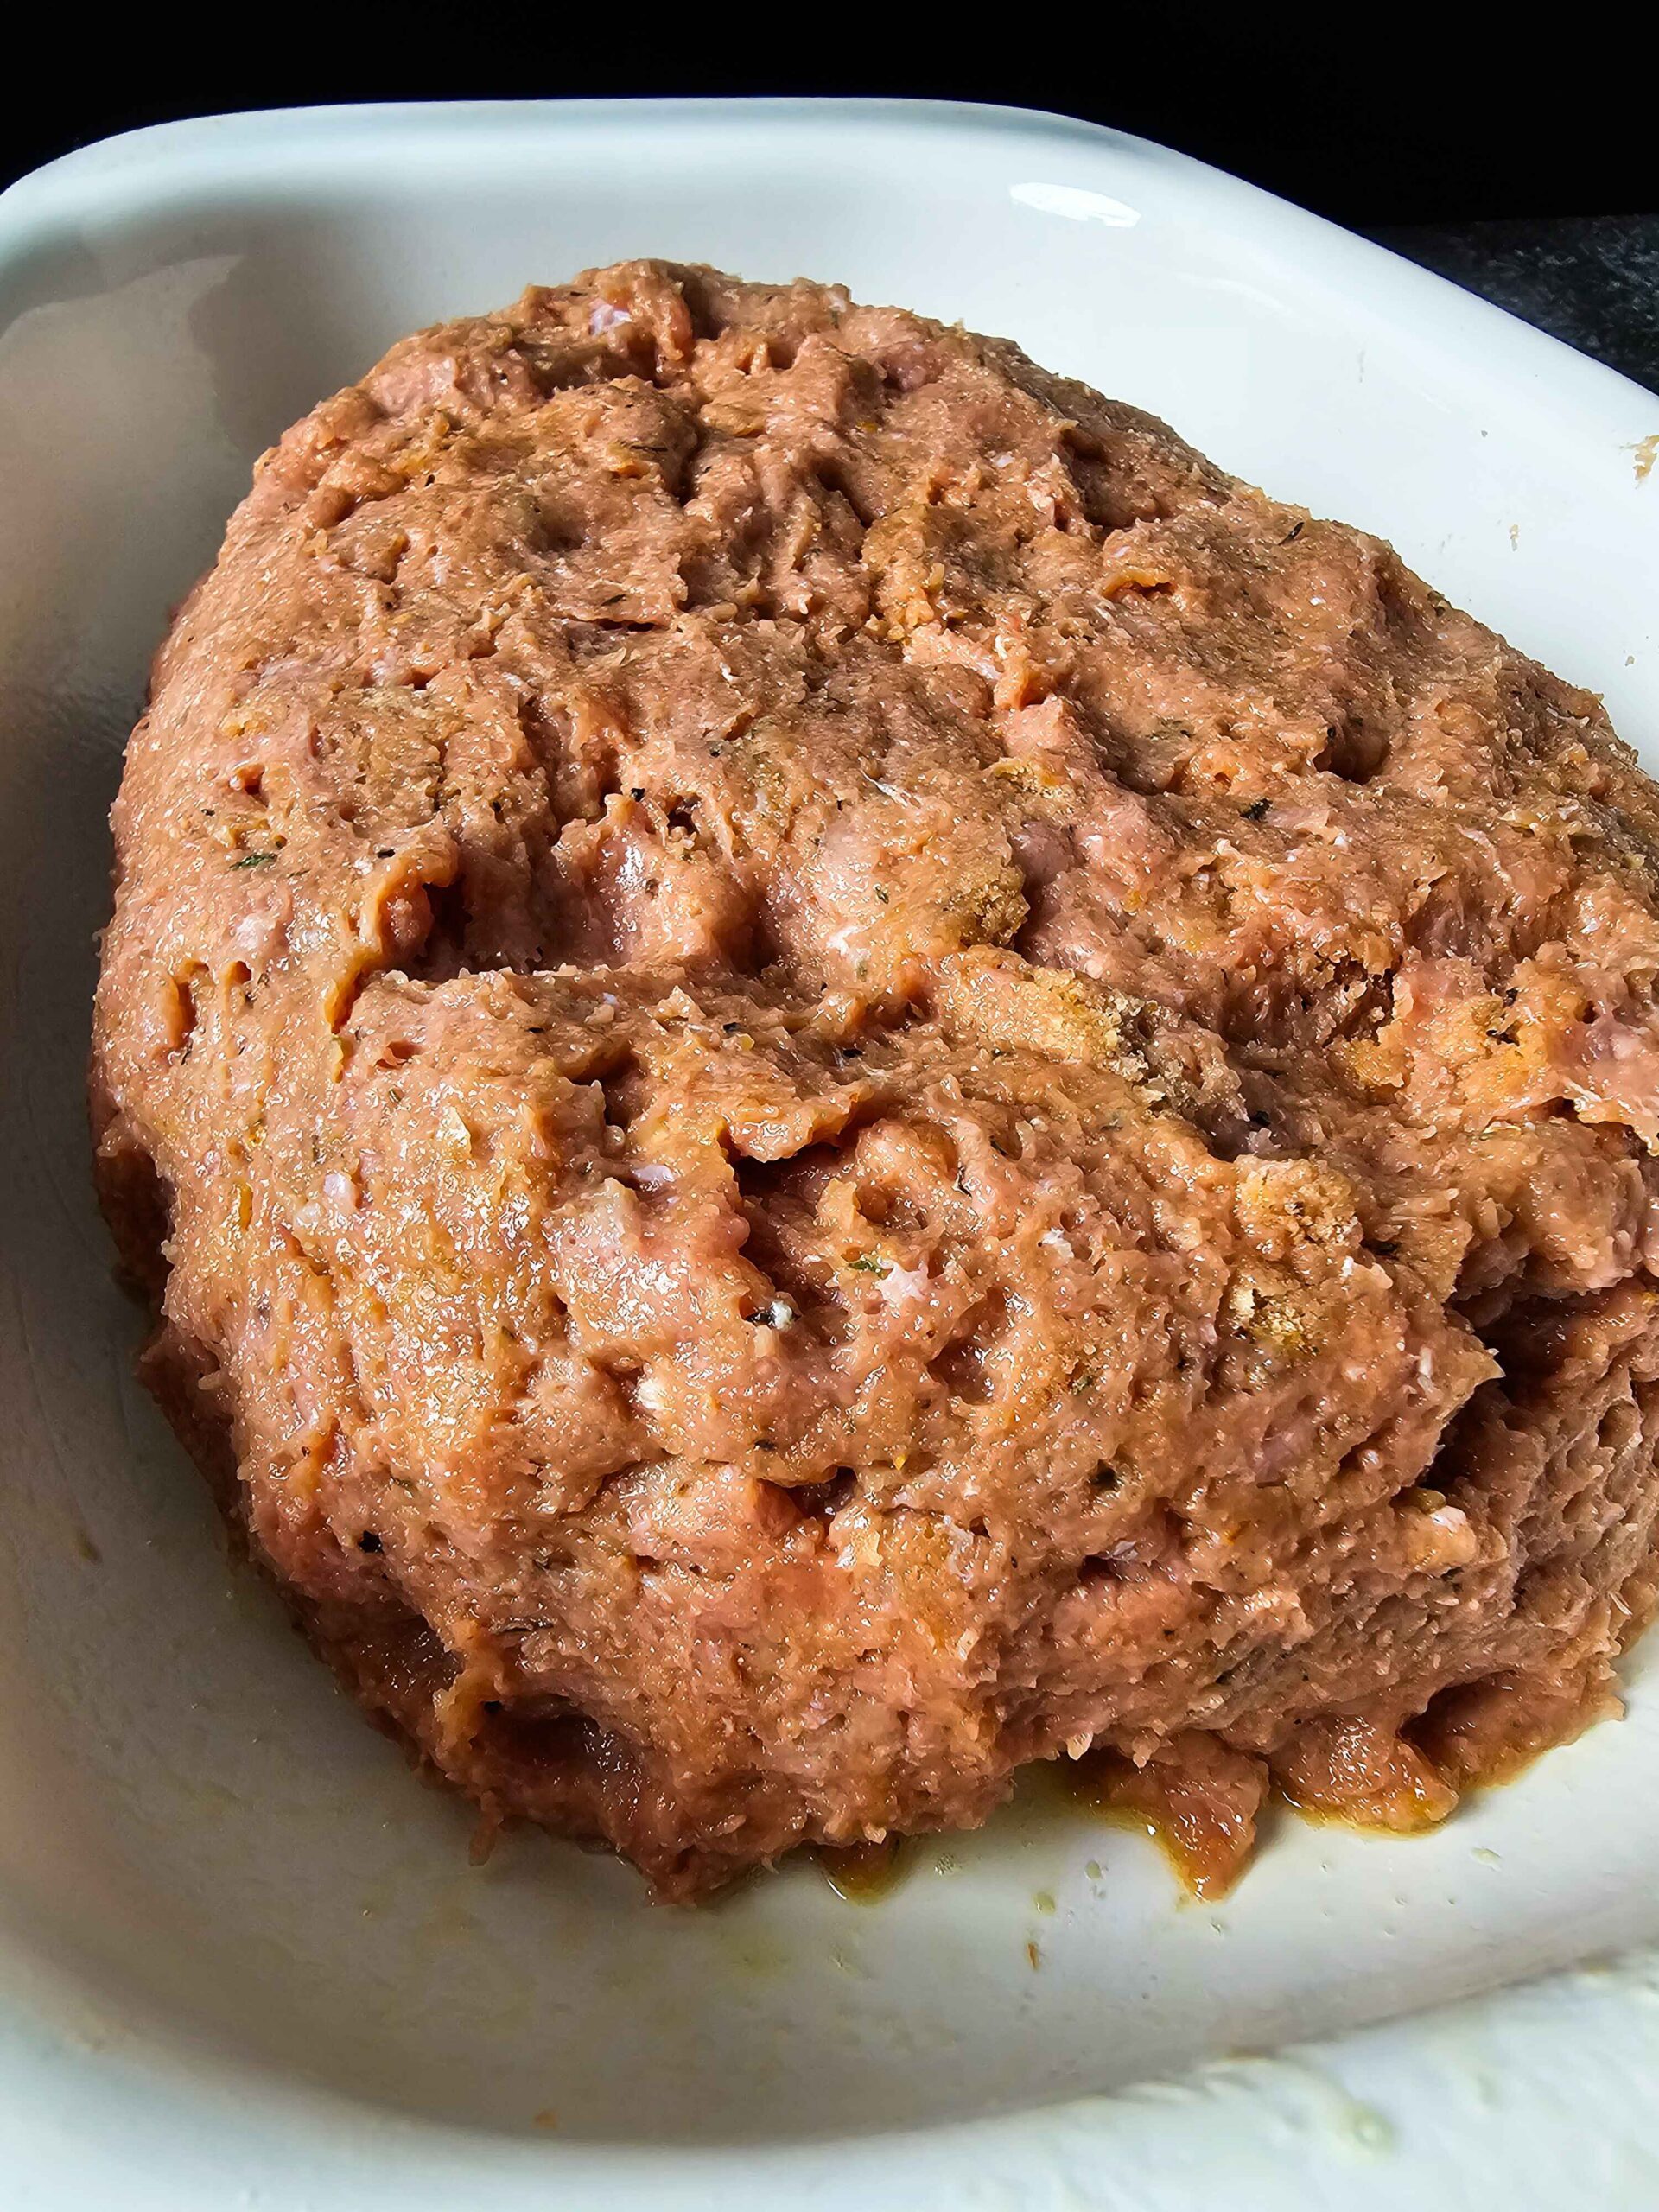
pixel 835 1073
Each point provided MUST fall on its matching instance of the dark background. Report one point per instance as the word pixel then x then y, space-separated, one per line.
pixel 1373 116
pixel 1392 121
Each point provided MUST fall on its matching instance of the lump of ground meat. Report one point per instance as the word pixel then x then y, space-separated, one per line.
pixel 834 1073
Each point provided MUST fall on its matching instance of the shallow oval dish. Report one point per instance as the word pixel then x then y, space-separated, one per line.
pixel 240 1950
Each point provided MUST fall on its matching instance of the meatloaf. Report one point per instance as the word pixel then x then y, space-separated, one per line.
pixel 834 1073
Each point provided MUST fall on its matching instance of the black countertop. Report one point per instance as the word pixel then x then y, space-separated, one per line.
pixel 1592 280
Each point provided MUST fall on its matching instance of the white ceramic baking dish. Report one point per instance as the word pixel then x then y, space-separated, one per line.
pixel 243 1956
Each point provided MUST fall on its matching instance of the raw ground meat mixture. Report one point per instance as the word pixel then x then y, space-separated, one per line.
pixel 834 1073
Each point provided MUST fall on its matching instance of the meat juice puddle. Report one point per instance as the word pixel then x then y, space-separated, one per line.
pixel 866 1873
pixel 1109 1790
pixel 863 1873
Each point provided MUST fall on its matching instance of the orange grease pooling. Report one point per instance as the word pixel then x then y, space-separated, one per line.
pixel 1200 1801
pixel 1198 1805
pixel 863 1873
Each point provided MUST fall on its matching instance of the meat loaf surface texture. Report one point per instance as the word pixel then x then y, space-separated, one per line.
pixel 834 1073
